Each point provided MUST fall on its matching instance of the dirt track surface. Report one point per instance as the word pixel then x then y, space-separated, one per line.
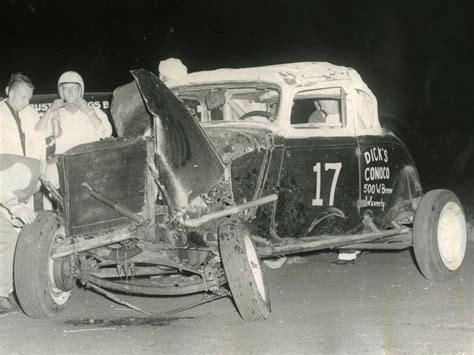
pixel 381 304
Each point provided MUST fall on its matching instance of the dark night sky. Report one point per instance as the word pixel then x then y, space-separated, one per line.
pixel 417 56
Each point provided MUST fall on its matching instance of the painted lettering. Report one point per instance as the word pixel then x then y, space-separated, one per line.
pixel 376 154
pixel 378 188
pixel 377 173
pixel 378 203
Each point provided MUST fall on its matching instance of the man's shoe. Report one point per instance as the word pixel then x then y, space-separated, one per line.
pixel 5 305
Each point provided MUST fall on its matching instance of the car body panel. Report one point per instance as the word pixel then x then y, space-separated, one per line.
pixel 188 163
pixel 129 112
pixel 318 176
pixel 389 180
pixel 308 153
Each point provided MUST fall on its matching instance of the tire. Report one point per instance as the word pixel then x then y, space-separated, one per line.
pixel 439 235
pixel 36 274
pixel 243 271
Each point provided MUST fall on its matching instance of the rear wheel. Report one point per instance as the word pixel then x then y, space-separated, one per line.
pixel 439 235
pixel 243 271
pixel 40 283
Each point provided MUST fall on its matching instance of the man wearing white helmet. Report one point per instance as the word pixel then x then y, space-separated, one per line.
pixel 71 120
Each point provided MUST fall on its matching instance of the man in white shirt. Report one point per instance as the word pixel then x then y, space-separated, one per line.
pixel 18 120
pixel 18 138
pixel 71 120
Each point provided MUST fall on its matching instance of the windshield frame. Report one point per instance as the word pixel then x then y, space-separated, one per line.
pixel 185 93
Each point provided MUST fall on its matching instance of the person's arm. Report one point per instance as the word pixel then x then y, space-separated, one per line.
pixel 42 124
pixel 14 178
pixel 98 119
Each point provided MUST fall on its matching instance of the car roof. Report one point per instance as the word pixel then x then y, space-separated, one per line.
pixel 285 75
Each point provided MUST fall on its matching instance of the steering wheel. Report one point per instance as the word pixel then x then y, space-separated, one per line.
pixel 268 115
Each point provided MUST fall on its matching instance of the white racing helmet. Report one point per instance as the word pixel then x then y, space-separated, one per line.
pixel 70 77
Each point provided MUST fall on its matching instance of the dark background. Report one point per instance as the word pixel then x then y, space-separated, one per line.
pixel 417 56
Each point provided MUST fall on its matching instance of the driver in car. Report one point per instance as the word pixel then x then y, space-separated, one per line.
pixel 327 110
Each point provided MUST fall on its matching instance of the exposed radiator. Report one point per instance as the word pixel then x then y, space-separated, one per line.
pixel 115 168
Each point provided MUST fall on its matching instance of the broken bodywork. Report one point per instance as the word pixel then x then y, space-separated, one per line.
pixel 208 176
pixel 176 183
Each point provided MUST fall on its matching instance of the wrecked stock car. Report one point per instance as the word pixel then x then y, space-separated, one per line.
pixel 218 170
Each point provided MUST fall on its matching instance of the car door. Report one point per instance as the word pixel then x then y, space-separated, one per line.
pixel 319 176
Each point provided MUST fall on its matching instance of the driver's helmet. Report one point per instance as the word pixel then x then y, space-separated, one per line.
pixel 70 77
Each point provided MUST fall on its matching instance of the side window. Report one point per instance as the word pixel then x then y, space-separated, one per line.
pixel 318 108
pixel 366 115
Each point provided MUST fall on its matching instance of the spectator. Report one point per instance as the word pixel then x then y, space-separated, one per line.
pixel 18 181
pixel 18 120
pixel 19 140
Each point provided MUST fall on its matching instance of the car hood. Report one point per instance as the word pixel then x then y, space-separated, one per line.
pixel 188 163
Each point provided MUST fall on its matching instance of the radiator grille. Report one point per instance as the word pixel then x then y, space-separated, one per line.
pixel 116 169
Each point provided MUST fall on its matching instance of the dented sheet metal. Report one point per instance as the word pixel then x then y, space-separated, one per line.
pixel 288 76
pixel 129 112
pixel 187 161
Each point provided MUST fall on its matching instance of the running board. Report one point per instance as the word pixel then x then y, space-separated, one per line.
pixel 300 245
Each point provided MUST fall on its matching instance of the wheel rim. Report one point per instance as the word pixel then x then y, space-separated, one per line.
pixel 254 264
pixel 59 296
pixel 452 235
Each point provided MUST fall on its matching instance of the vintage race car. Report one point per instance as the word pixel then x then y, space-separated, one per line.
pixel 217 170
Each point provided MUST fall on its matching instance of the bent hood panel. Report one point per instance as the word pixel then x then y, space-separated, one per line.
pixel 129 112
pixel 187 161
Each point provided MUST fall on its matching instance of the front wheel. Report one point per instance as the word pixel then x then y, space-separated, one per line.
pixel 243 271
pixel 40 282
pixel 439 235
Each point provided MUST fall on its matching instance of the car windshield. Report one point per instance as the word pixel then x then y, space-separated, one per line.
pixel 234 103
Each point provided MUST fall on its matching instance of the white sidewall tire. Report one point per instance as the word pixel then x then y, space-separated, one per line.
pixel 255 266
pixel 452 235
pixel 439 235
pixel 243 271
pixel 37 293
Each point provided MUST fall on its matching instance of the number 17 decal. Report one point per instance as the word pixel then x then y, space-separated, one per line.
pixel 318 201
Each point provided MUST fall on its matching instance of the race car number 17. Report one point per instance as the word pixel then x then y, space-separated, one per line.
pixel 318 201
